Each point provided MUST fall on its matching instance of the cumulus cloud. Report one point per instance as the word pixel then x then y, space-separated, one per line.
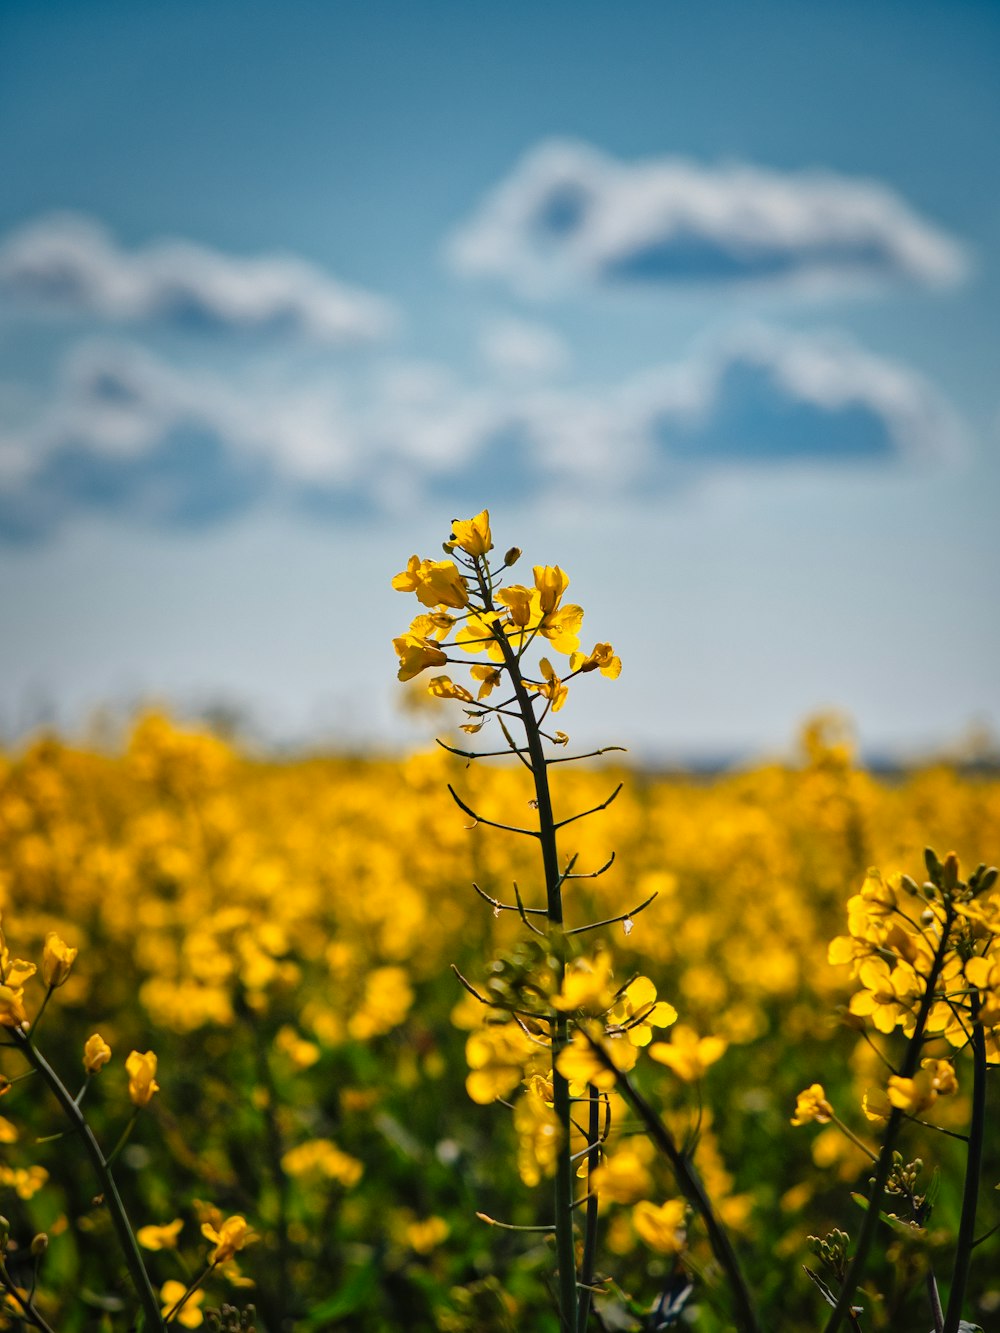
pixel 130 436
pixel 568 215
pixel 71 264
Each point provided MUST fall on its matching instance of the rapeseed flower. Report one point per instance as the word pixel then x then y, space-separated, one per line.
pixel 142 1084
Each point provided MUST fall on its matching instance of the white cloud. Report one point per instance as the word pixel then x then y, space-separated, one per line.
pixel 133 436
pixel 570 215
pixel 70 263
pixel 521 348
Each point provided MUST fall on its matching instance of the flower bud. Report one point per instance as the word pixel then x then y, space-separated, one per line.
pixel 512 557
pixel 39 1245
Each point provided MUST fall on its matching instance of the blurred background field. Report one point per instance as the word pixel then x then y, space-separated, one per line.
pixel 280 932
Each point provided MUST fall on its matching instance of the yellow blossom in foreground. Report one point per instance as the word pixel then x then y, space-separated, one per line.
pixel 662 1228
pixel 601 658
pixel 935 1078
pixel 231 1235
pixel 637 1011
pixel 190 1315
pixel 623 1178
pixel 443 687
pixel 160 1238
pixel 580 1062
pixel 416 655
pixel 96 1053
pixel 687 1054
pixel 539 1136
pixel 550 687
pixel 587 986
pixel 500 1056
pixel 472 535
pixel 57 960
pixel 876 1105
pixel 12 1012
pixel 812 1105
pixel 142 1082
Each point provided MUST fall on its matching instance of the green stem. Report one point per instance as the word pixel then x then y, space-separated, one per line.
pixel 694 1191
pixel 973 1170
pixel 565 1235
pixel 119 1218
pixel 855 1272
pixel 590 1226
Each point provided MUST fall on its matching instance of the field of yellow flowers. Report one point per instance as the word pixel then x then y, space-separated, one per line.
pixel 280 934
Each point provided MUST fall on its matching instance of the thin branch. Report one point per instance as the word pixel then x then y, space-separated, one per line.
pixel 498 906
pixel 613 920
pixel 591 754
pixel 495 1004
pixel 472 754
pixel 584 813
pixel 489 823
pixel 590 874
pixel 509 1226
pixel 523 914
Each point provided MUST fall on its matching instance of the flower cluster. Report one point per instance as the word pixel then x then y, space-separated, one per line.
pixel 471 610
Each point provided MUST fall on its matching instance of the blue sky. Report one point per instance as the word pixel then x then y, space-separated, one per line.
pixel 700 300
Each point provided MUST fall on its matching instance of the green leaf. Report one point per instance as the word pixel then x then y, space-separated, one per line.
pixel 350 1298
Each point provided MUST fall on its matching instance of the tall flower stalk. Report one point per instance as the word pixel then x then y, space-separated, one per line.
pixel 569 1033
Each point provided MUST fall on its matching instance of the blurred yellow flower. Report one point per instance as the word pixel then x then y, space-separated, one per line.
pixel 687 1054
pixel 160 1238
pixel 190 1315
pixel 142 1084
pixel 812 1105
pixel 231 1235
pixel 662 1228
pixel 96 1053
pixel 57 960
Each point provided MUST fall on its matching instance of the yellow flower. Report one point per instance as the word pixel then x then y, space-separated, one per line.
pixel 142 1082
pixel 490 678
pixel 499 1057
pixel 190 1315
pixel 416 655
pixel 687 1054
pixel 602 659
pixel 935 1078
pixel 637 1011
pixel 580 1063
pixel 876 1105
pixel 96 1053
pixel 587 986
pixel 551 687
pixel 12 1013
pixel 424 1235
pixel 551 583
pixel 517 599
pixel 623 1178
pixel 662 1228
pixel 57 960
pixel 322 1157
pixel 812 1105
pixel 472 535
pixel 539 1136
pixel 435 582
pixel 888 996
pixel 230 1236
pixel 443 687
pixel 160 1238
